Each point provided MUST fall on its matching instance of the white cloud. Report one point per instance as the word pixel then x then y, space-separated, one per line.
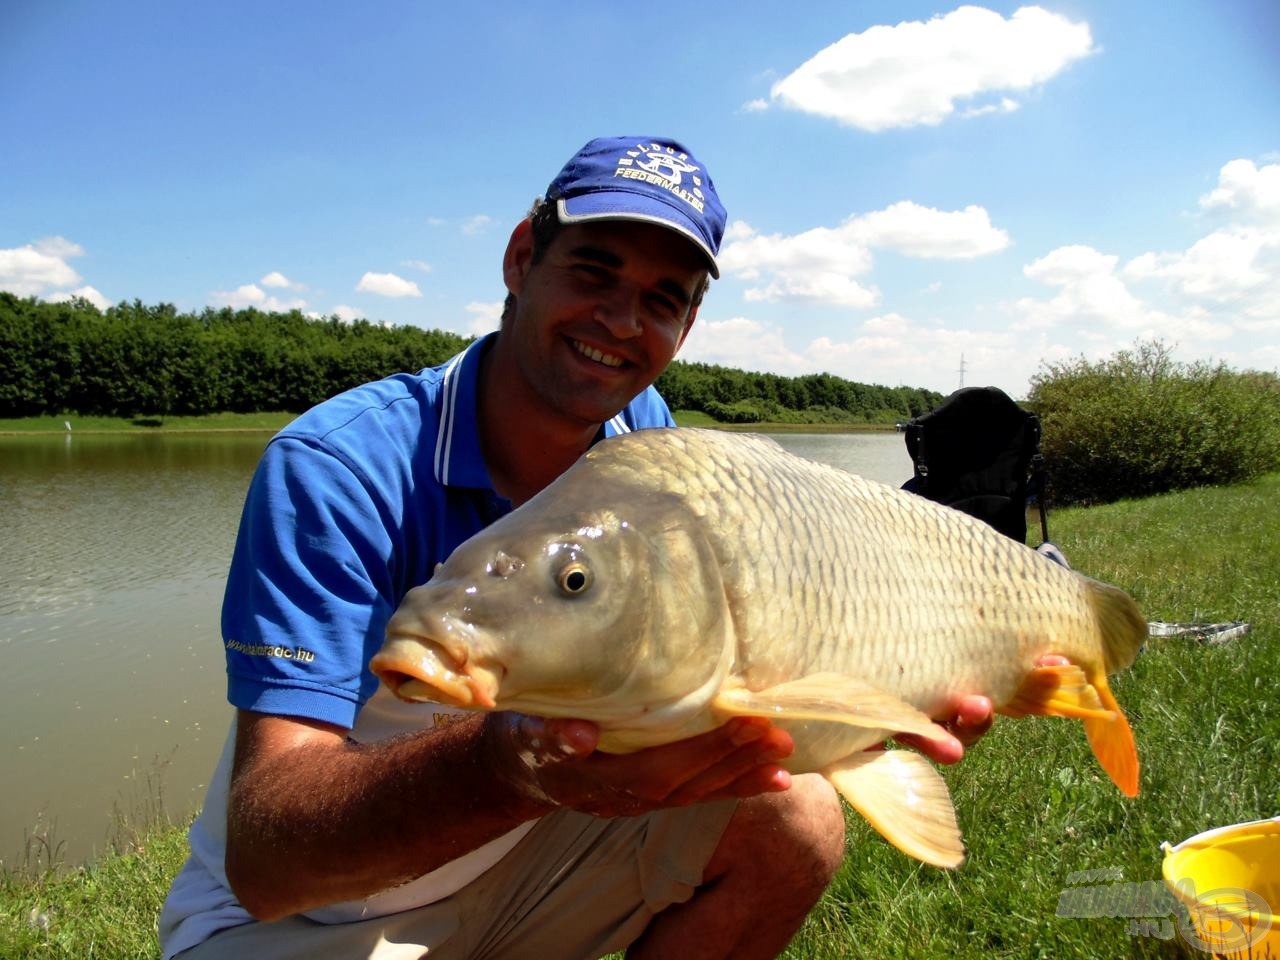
pixel 1225 265
pixel 914 73
pixel 485 317
pixel 1006 105
pixel 890 349
pixel 744 344
pixel 84 293
pixel 251 295
pixel 59 247
pixel 1250 193
pixel 755 106
pixel 925 232
pixel 477 224
pixel 345 313
pixel 387 285
pixel 33 269
pixel 277 279
pixel 820 265
pixel 417 265
pixel 1090 293
pixel 1233 272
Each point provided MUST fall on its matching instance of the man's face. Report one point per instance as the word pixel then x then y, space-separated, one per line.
pixel 600 316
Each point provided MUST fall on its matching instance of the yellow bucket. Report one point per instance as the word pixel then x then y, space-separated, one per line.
pixel 1229 881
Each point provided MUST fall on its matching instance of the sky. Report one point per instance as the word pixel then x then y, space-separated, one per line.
pixel 920 194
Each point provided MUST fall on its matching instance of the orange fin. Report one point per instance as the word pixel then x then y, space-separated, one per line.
pixel 1057 692
pixel 905 798
pixel 1067 692
pixel 1112 742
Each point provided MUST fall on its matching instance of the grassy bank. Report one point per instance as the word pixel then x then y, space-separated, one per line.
pixel 1031 800
pixel 151 424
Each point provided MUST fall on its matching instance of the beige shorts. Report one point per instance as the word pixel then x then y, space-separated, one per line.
pixel 574 887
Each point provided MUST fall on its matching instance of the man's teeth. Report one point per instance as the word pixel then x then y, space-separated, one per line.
pixel 606 358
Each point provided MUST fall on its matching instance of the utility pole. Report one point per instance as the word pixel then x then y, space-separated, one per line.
pixel 962 371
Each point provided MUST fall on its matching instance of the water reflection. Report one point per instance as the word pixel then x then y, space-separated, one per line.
pixel 111 574
pixel 112 566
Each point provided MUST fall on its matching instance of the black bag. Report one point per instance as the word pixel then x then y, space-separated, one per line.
pixel 980 452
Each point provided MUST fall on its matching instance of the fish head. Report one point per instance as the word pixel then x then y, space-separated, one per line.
pixel 599 614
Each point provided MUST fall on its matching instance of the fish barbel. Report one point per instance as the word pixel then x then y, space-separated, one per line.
pixel 675 578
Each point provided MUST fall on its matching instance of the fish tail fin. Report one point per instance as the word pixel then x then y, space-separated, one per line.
pixel 1065 691
pixel 1112 741
pixel 1122 627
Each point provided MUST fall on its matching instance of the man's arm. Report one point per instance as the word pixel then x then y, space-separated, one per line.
pixel 315 819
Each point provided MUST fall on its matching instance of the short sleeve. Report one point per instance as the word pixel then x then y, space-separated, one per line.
pixel 310 587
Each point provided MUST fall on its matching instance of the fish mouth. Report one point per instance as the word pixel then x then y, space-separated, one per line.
pixel 418 670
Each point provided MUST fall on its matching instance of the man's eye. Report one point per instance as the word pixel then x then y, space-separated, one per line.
pixel 664 308
pixel 591 271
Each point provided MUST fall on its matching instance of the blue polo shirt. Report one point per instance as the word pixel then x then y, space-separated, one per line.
pixel 353 504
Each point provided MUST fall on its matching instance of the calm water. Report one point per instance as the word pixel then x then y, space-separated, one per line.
pixel 113 556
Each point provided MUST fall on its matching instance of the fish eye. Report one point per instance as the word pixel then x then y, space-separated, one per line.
pixel 574 579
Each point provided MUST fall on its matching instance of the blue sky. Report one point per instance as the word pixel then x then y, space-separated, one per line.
pixel 907 183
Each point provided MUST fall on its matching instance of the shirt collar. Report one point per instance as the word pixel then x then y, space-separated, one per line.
pixel 459 460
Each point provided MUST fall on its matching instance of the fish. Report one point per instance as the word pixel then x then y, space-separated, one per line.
pixel 675 578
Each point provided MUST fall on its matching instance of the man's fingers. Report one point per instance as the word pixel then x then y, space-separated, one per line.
pixel 750 769
pixel 973 717
pixel 683 771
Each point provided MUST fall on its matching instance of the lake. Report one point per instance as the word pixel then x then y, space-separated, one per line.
pixel 114 558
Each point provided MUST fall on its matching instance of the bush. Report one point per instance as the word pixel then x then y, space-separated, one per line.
pixel 1141 423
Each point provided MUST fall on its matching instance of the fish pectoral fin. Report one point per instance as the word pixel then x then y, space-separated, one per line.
pixel 832 697
pixel 906 799
pixel 1067 692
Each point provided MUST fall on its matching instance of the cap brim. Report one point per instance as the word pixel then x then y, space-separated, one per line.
pixel 622 205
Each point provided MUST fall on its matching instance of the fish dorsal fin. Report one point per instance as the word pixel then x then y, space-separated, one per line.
pixel 1066 691
pixel 831 697
pixel 904 798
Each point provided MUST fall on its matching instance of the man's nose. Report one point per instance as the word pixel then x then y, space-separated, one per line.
pixel 619 311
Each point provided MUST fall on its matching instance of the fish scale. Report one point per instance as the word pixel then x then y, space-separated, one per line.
pixel 673 579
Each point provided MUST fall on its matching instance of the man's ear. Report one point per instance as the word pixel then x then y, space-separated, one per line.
pixel 519 256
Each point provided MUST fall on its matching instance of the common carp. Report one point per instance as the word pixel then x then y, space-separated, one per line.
pixel 675 578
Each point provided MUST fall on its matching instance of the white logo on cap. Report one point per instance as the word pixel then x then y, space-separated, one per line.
pixel 662 166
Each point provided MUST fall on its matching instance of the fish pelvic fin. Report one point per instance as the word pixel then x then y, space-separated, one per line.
pixel 1066 691
pixel 831 697
pixel 906 799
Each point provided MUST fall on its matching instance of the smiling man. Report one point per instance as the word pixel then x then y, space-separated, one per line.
pixel 344 823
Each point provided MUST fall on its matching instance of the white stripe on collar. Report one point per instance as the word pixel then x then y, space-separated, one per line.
pixel 444 438
pixel 619 425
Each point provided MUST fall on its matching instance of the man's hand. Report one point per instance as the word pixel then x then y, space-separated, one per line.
pixel 968 719
pixel 556 761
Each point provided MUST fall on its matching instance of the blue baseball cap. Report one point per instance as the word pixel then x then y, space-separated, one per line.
pixel 649 179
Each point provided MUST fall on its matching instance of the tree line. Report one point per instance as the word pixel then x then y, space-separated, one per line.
pixel 1140 423
pixel 135 360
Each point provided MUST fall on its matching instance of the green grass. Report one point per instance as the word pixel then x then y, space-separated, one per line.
pixel 147 424
pixel 103 911
pixel 1031 800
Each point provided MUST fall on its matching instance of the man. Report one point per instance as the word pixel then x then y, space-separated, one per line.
pixel 343 823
